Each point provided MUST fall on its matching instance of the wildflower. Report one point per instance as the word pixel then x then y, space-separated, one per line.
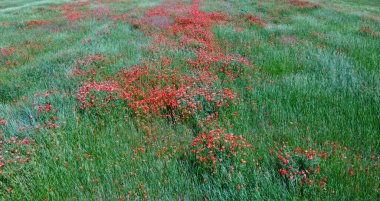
pixel 26 140
pixel 317 170
pixel 303 180
pixel 47 107
pixel 283 172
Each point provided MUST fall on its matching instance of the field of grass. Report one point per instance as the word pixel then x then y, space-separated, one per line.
pixel 190 100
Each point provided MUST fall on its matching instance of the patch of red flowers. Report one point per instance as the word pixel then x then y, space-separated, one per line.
pixel 368 30
pixel 7 51
pixel 304 4
pixel 72 11
pixel 37 22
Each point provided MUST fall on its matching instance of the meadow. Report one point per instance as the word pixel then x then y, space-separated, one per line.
pixel 190 100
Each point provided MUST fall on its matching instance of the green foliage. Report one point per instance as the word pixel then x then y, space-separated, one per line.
pixel 278 100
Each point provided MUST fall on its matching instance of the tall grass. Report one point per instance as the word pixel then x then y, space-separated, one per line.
pixel 286 97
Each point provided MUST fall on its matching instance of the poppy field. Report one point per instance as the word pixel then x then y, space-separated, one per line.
pixel 190 100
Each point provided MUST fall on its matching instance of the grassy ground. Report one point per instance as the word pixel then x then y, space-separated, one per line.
pixel 188 100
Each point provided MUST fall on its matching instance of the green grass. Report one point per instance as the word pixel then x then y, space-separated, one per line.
pixel 315 81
